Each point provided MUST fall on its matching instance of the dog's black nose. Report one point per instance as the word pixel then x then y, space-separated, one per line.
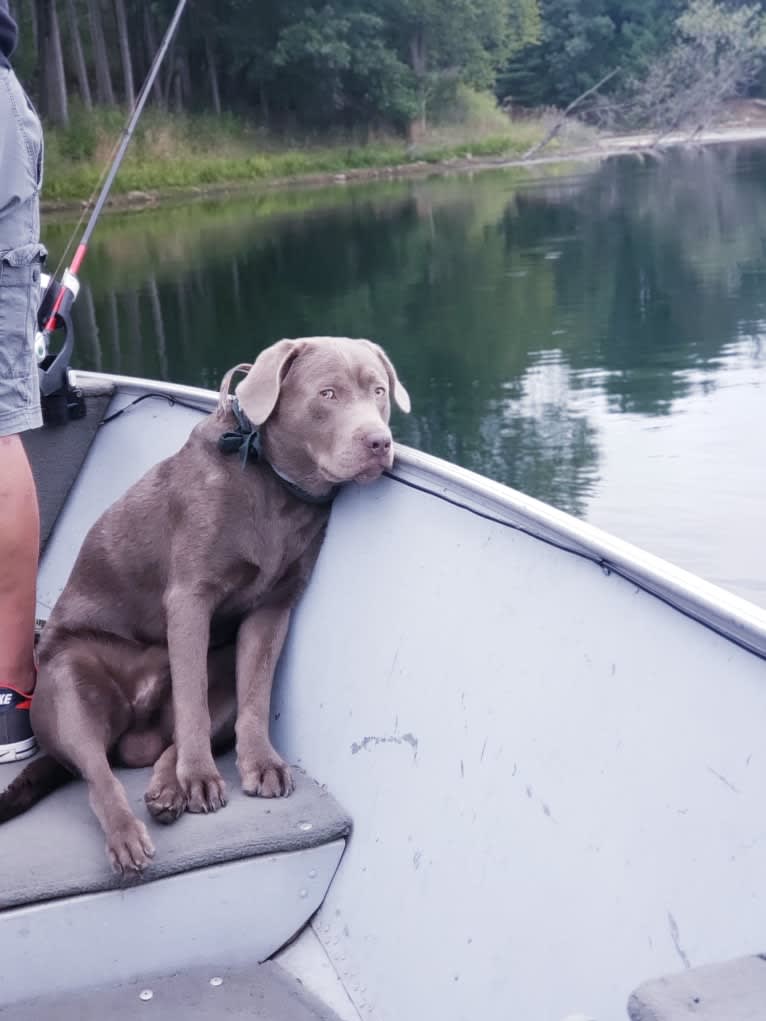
pixel 379 442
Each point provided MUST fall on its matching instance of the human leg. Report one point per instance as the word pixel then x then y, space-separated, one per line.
pixel 19 543
pixel 21 257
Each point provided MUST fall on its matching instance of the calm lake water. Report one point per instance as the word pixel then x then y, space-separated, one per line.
pixel 594 338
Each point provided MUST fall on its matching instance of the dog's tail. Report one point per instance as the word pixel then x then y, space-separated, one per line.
pixel 41 777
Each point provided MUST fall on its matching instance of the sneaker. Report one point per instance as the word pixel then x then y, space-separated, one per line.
pixel 16 738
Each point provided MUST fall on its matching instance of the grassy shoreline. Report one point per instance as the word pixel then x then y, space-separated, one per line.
pixel 172 155
pixel 75 182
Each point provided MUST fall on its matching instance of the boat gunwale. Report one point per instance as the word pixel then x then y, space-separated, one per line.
pixel 729 615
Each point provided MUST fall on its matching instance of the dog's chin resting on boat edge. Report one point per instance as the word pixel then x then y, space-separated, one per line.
pixel 192 575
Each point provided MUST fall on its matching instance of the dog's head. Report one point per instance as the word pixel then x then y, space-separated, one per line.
pixel 323 406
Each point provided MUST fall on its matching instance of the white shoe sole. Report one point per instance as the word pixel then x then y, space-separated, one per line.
pixel 19 750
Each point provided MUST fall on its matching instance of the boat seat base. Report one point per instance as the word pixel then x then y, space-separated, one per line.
pixel 263 992
pixel 223 889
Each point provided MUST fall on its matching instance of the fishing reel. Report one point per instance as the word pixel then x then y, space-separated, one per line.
pixel 59 399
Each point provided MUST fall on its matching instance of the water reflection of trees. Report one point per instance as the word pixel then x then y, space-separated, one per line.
pixel 666 271
pixel 631 276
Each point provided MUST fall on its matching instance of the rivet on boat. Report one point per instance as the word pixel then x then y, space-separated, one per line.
pixel 145 994
pixel 303 893
pixel 216 980
pixel 313 874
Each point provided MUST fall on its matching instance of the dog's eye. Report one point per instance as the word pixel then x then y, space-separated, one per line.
pixel 380 391
pixel 328 393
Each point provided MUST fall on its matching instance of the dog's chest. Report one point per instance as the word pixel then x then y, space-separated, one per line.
pixel 273 567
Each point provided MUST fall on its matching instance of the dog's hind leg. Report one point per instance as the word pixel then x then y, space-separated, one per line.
pixel 83 715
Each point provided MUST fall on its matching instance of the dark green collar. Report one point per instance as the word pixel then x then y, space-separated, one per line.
pixel 245 441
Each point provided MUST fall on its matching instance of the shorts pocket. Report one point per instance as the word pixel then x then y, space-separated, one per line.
pixel 35 140
pixel 19 301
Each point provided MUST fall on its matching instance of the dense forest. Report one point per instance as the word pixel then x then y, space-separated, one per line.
pixel 386 64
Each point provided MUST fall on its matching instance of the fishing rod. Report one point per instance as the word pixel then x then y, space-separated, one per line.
pixel 60 401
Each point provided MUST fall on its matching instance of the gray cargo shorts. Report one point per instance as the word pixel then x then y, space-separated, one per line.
pixel 21 256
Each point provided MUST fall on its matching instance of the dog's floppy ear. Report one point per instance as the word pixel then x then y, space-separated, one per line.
pixel 401 396
pixel 258 392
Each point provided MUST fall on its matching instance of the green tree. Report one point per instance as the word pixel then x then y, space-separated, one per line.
pixel 288 63
pixel 582 40
pixel 456 41
pixel 343 66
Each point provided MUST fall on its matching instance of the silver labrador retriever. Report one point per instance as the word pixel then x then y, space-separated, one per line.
pixel 163 644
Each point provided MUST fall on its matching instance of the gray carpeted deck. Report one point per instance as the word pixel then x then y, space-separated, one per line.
pixel 62 847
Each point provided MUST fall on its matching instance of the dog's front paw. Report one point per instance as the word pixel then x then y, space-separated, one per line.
pixel 266 776
pixel 129 847
pixel 165 800
pixel 202 786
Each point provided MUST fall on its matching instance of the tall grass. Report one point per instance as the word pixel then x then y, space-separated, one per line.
pixel 171 151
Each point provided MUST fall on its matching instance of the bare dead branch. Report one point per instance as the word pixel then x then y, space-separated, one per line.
pixel 560 122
